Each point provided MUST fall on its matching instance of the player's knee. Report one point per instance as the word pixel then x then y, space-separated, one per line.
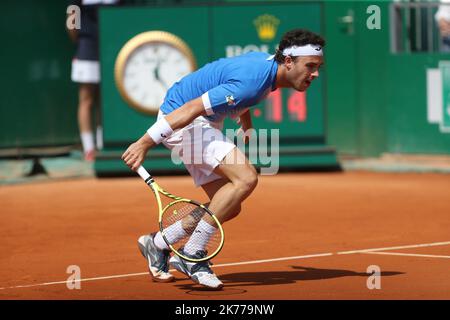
pixel 247 182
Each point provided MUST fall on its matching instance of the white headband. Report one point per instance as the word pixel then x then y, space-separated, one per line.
pixel 306 50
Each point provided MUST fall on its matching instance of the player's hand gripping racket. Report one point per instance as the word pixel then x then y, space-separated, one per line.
pixel 190 213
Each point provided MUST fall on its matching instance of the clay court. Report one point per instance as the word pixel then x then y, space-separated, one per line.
pixel 300 236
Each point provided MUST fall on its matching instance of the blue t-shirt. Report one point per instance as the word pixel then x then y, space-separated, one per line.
pixel 228 86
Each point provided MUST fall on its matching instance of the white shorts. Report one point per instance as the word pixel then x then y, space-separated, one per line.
pixel 85 71
pixel 201 146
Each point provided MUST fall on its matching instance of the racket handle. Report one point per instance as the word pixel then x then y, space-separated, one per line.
pixel 143 173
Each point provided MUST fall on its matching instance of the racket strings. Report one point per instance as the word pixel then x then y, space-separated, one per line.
pixel 191 228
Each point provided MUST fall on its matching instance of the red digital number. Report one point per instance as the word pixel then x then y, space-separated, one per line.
pixel 297 106
pixel 274 106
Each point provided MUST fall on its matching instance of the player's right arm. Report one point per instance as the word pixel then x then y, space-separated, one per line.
pixel 135 154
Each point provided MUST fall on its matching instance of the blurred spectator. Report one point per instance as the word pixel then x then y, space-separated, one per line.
pixel 443 19
pixel 86 72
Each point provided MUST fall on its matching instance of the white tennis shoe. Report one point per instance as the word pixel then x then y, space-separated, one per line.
pixel 199 272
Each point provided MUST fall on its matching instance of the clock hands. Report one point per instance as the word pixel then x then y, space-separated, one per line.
pixel 156 70
pixel 157 77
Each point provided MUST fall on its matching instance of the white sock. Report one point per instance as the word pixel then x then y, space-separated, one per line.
pixel 87 140
pixel 199 238
pixel 173 234
pixel 99 138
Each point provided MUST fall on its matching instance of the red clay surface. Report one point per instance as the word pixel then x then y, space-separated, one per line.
pixel 94 224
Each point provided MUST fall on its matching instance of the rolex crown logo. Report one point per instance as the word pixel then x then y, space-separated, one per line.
pixel 266 26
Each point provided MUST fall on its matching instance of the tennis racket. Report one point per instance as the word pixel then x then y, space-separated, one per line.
pixel 190 213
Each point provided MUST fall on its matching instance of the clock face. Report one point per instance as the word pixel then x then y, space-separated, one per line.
pixel 150 67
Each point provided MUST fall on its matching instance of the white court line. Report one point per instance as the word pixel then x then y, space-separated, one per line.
pixel 272 260
pixel 236 264
pixel 398 247
pixel 172 270
pixel 409 254
pixel 80 280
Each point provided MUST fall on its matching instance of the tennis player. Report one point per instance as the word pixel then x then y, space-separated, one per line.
pixel 200 102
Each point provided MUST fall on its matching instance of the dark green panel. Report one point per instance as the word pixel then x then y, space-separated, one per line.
pixel 342 87
pixel 121 123
pixel 38 101
pixel 230 39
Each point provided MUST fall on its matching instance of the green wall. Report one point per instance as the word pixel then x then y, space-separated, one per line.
pixel 357 69
pixel 373 71
pixel 374 101
pixel 340 65
pixel 408 128
pixel 38 100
